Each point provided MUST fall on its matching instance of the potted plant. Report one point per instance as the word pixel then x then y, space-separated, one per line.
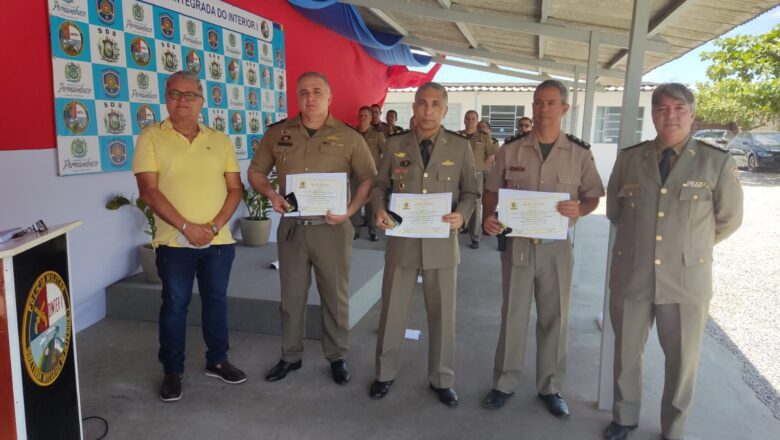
pixel 148 263
pixel 255 228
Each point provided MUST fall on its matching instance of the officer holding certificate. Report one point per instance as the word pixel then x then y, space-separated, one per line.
pixel 313 142
pixel 543 160
pixel 427 159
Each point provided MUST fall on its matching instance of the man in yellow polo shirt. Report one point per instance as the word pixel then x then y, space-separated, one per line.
pixel 188 174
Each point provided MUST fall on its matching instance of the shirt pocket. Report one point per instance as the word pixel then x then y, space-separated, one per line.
pixel 695 202
pixel 447 176
pixel 335 157
pixel 517 179
pixel 282 155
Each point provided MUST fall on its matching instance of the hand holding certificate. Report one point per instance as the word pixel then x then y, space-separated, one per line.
pixel 532 214
pixel 422 215
pixel 318 193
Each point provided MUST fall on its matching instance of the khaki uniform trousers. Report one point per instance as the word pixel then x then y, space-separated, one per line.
pixel 475 222
pixel 439 292
pixel 680 329
pixel 327 248
pixel 357 218
pixel 547 278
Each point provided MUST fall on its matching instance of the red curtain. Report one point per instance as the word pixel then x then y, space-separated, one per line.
pixel 27 113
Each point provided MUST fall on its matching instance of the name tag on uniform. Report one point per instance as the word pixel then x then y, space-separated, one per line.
pixel 631 186
pixel 695 184
pixel 516 169
pixel 400 171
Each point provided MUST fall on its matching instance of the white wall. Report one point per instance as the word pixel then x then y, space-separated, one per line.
pixel 104 249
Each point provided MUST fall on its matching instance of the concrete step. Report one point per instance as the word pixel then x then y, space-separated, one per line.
pixel 254 293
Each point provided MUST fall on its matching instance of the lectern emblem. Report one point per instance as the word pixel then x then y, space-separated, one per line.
pixel 46 328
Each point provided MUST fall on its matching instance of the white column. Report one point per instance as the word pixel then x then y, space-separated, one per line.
pixel 630 110
pixel 590 87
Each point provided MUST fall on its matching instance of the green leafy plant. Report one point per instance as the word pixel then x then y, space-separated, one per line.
pixel 258 205
pixel 119 201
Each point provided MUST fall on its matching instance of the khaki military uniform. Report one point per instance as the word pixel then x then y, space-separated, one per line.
pixel 376 145
pixel 382 127
pixel 541 269
pixel 482 147
pixel 395 129
pixel 309 242
pixel 662 266
pixel 450 169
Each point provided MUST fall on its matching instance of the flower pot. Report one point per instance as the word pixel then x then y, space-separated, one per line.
pixel 255 232
pixel 149 264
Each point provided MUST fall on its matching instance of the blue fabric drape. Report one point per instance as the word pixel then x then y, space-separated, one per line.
pixel 347 22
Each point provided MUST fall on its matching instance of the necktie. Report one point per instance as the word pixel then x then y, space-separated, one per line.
pixel 666 164
pixel 425 151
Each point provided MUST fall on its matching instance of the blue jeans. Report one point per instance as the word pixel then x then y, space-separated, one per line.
pixel 178 268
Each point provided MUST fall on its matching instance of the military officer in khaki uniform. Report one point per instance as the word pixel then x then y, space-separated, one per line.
pixel 544 160
pixel 392 117
pixel 671 200
pixel 376 120
pixel 484 154
pixel 313 142
pixel 428 159
pixel 376 144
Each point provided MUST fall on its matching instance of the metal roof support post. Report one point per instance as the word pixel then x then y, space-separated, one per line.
pixel 629 113
pixel 574 109
pixel 590 86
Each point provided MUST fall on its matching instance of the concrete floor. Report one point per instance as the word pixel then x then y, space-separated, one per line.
pixel 119 378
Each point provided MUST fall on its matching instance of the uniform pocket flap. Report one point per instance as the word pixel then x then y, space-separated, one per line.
pixel 696 257
pixel 514 175
pixel 690 193
pixel 630 191
pixel 566 177
pixel 332 149
pixel 448 173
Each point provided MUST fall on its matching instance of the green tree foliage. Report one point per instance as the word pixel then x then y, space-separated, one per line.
pixel 744 84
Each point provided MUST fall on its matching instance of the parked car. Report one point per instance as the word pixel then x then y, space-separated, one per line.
pixel 760 149
pixel 718 136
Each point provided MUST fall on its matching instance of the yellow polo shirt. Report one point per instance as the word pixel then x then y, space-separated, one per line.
pixel 190 175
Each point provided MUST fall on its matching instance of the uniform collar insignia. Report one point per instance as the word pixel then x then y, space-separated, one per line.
pixel 448 163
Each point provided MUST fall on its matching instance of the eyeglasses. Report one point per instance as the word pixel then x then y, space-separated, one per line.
pixel 177 95
pixel 39 227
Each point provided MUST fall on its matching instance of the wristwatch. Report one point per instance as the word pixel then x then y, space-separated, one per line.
pixel 214 228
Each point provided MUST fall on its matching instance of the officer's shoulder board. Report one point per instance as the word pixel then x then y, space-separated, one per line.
pixel 355 128
pixel 457 133
pixel 276 123
pixel 514 138
pixel 632 146
pixel 709 143
pixel 578 141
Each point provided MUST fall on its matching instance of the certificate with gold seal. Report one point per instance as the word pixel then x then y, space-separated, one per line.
pixel 421 215
pixel 532 214
pixel 318 193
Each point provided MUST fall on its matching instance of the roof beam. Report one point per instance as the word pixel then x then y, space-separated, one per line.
pixel 492 69
pixel 656 26
pixel 504 58
pixel 505 22
pixel 545 12
pixel 447 4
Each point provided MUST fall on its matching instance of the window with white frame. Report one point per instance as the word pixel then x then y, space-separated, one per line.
pixel 608 125
pixel 503 119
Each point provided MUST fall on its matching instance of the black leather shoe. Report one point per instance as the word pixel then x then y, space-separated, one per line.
pixel 496 399
pixel 356 236
pixel 340 371
pixel 379 389
pixel 555 404
pixel 170 390
pixel 280 370
pixel 447 396
pixel 616 431
pixel 373 237
pixel 474 244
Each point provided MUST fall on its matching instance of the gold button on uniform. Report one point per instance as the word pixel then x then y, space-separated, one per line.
pixel 701 260
pixel 695 197
pixel 448 178
pixel 425 174
pixel 657 262
pixel 658 238
pixel 660 214
pixel 664 191
pixel 425 191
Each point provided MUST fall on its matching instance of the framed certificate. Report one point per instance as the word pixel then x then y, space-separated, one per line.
pixel 421 214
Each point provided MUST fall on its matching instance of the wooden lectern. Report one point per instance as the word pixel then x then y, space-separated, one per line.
pixel 39 388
